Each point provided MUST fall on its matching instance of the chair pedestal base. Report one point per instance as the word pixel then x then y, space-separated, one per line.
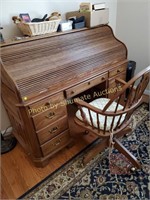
pixel 104 144
pixel 125 152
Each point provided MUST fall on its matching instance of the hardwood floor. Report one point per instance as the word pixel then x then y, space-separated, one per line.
pixel 18 173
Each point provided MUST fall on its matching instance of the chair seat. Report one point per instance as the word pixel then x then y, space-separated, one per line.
pixel 100 104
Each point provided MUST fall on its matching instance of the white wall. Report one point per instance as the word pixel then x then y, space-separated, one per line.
pixel 149 30
pixel 37 8
pixel 133 28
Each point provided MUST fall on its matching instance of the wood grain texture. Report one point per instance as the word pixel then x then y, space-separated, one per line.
pixel 53 130
pixel 45 71
pixel 60 61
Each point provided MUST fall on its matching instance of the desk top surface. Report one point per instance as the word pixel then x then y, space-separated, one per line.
pixel 57 62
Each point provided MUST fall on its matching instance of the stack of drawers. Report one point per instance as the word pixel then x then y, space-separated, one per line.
pixel 50 122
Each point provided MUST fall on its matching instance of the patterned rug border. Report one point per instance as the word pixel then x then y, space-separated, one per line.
pixel 75 156
pixel 55 171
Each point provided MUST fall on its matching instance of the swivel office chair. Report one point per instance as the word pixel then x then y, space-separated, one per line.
pixel 109 118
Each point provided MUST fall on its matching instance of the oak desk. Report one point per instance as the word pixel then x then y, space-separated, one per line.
pixel 40 74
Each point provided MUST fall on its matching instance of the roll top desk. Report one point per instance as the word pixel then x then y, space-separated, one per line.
pixel 41 74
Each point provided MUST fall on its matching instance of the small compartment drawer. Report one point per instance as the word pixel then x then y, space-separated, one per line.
pixel 46 118
pixel 86 85
pixel 45 104
pixel 117 70
pixel 52 130
pixel 56 143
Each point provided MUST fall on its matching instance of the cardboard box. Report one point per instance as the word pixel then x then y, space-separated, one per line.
pixel 93 18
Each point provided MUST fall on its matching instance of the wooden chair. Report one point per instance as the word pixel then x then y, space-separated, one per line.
pixel 109 118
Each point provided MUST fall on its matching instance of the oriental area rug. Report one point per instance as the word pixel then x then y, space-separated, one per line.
pixel 99 179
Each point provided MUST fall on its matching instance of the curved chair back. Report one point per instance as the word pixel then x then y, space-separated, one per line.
pixel 116 116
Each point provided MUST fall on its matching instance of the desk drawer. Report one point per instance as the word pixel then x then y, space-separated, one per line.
pixel 86 85
pixel 52 130
pixel 46 118
pixel 117 70
pixel 45 104
pixel 56 143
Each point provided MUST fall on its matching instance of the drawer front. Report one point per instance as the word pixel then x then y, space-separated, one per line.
pixel 117 70
pixel 45 104
pixel 113 86
pixel 52 130
pixel 46 118
pixel 86 85
pixel 56 143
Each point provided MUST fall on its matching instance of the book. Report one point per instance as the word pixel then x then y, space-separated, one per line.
pixel 99 6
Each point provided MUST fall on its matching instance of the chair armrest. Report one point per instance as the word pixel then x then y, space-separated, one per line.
pixel 82 103
pixel 119 80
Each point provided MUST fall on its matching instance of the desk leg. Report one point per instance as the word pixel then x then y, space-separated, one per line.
pixel 125 152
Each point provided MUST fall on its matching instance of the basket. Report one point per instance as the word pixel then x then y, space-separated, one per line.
pixel 38 28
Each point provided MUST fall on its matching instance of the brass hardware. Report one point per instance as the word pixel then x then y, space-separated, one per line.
pixel 53 130
pixel 103 78
pixel 118 71
pixel 72 92
pixel 57 142
pixel 50 115
pixel 89 83
pixel 47 104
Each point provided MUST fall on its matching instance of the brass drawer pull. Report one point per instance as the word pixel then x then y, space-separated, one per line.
pixel 50 115
pixel 57 142
pixel 89 83
pixel 53 130
pixel 47 104
pixel 118 71
pixel 103 78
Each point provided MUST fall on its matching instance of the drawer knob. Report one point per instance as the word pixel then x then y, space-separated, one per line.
pixel 72 92
pixel 118 71
pixel 50 115
pixel 89 83
pixel 103 78
pixel 47 104
pixel 53 130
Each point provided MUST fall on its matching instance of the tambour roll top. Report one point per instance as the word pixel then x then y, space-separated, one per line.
pixel 59 61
